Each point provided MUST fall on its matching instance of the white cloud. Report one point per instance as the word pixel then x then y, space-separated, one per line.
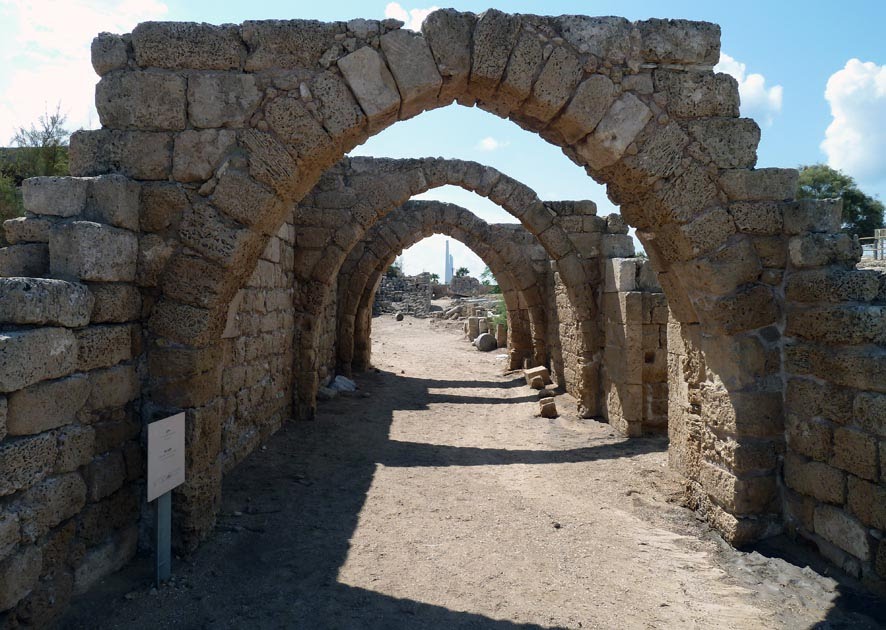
pixel 757 100
pixel 411 18
pixel 855 141
pixel 490 144
pixel 48 61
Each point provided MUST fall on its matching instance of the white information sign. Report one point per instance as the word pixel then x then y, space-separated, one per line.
pixel 166 455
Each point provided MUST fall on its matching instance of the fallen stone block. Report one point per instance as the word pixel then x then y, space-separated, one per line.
pixel 537 382
pixel 485 342
pixel 540 371
pixel 547 408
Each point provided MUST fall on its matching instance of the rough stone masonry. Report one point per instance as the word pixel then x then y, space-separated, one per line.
pixel 206 222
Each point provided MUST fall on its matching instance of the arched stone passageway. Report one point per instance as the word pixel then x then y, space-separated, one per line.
pixel 506 249
pixel 212 134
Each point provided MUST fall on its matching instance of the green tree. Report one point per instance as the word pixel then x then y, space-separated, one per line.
pixel 461 272
pixel 488 279
pixel 434 278
pixel 862 214
pixel 43 148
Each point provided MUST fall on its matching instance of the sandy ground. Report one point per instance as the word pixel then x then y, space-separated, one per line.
pixel 436 498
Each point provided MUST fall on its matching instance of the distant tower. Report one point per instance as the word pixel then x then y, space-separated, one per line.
pixel 447 266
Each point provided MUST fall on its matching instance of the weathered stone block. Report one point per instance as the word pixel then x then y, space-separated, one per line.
pixel 373 86
pixel 105 475
pixel 113 387
pixel 31 356
pixel 91 251
pixel 679 42
pixel 704 234
pixel 869 411
pixel 148 101
pixel 162 206
pixel 554 85
pixel 449 33
pixel 103 346
pixel 762 184
pixel 27 230
pixel 114 200
pixel 10 533
pixel 813 215
pixel 526 60
pixel 99 521
pixel 413 67
pixel 834 525
pixel 55 196
pixel 28 260
pixel 616 246
pixel 136 154
pixel 18 575
pixel 838 324
pixel 855 452
pixel 24 462
pixel 286 43
pixel 751 306
pixel 731 142
pixel 217 238
pixel 495 35
pixel 836 284
pixel 619 127
pixel 44 301
pixel 697 94
pixel 221 99
pixel 187 46
pixel 809 437
pixel 738 496
pixel 868 502
pixel 48 503
pixel 757 217
pixel 814 479
pixel 115 303
pixel 108 53
pixel 197 153
pixel 76 447
pixel 539 371
pixel 105 559
pixel 154 253
pixel 620 274
pixel 818 250
pixel 46 405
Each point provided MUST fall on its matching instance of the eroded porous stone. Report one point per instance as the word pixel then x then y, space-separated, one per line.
pixel 85 250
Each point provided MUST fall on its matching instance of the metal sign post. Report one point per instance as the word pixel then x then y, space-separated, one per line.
pixel 166 470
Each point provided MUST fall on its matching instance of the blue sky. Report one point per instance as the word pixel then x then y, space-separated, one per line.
pixel 786 55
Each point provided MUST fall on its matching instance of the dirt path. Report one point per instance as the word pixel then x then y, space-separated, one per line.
pixel 437 499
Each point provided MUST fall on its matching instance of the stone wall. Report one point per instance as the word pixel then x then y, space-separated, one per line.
pixel 257 383
pixel 464 286
pixel 71 461
pixel 410 295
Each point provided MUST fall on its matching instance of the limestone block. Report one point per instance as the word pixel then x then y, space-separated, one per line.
pixel 373 86
pixel 620 274
pixel 103 346
pixel 679 42
pixel 698 94
pixel 547 408
pixel 136 154
pixel 27 230
pixel 76 447
pixel 108 53
pixel 414 70
pixel 291 121
pixel 149 101
pixel 869 411
pixel 757 217
pixel 104 475
pixel 10 533
pixel 197 153
pixel 731 142
pixel 111 434
pixel 814 479
pixel 31 356
pixel 832 285
pixel 113 387
pixel 686 196
pixel 25 461
pixel 836 526
pixel 99 521
pixel 46 405
pixel 48 503
pixel 722 272
pixel 448 34
pixel 539 371
pixel 187 46
pixel 115 303
pixel 752 495
pixel 55 196
pixel 619 127
pixel 762 184
pixel 221 99
pixel 91 251
pixel 610 38
pixel 851 366
pixel 809 437
pixel 114 200
pixel 526 60
pixel 867 502
pixel 286 43
pixel 818 250
pixel 751 306
pixel 206 231
pixel 593 98
pixel 339 111
pixel 495 35
pixel 153 254
pixel 105 559
pixel 617 246
pixel 24 260
pixel 184 323
pixel 813 215
pixel 554 85
pixel 162 205
pixel 19 574
pixel 44 301
pixel 615 224
pixel 839 324
pixel 855 452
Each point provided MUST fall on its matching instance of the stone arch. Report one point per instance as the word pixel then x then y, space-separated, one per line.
pixel 246 119
pixel 408 225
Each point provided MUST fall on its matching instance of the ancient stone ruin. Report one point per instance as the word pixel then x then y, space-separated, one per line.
pixel 215 252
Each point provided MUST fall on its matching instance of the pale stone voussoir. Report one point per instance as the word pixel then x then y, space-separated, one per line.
pixel 188 46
